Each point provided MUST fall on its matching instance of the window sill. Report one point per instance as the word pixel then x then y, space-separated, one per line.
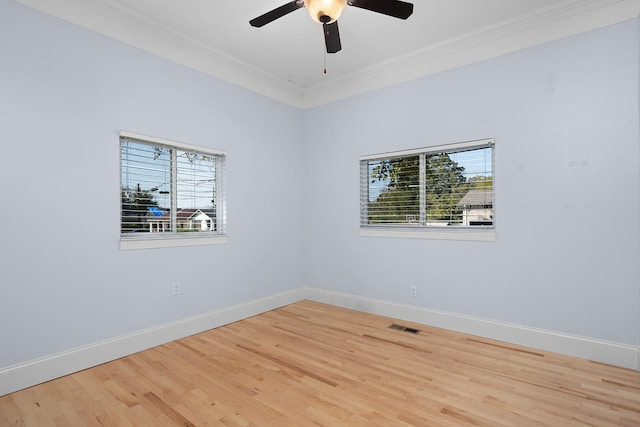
pixel 170 241
pixel 484 235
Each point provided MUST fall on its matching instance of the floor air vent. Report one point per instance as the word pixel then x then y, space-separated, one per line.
pixel 404 329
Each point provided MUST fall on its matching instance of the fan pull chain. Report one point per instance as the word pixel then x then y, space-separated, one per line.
pixel 325 62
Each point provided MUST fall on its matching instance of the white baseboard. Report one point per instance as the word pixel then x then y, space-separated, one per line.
pixel 626 356
pixel 37 371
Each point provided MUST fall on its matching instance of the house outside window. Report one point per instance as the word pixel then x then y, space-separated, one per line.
pixel 172 194
pixel 442 192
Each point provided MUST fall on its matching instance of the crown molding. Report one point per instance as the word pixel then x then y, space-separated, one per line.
pixel 564 19
pixel 134 29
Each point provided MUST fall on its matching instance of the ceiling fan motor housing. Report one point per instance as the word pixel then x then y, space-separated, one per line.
pixel 325 11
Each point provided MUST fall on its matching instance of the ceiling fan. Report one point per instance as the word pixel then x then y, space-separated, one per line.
pixel 327 12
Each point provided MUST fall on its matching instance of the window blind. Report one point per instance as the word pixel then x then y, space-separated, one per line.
pixel 170 188
pixel 446 186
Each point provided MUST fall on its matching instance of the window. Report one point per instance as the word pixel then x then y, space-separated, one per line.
pixel 439 192
pixel 172 194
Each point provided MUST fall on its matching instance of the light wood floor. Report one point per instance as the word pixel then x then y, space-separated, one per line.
pixel 316 365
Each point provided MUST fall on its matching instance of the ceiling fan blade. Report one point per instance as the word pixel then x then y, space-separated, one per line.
pixel 332 37
pixel 276 13
pixel 395 8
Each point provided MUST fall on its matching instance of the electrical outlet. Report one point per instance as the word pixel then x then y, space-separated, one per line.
pixel 175 288
pixel 413 291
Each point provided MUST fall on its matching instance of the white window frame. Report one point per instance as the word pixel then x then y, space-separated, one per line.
pixel 169 239
pixel 481 233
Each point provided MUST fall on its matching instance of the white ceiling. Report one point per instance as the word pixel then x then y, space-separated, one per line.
pixel 285 59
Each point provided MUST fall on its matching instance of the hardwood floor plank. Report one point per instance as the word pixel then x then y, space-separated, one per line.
pixel 311 364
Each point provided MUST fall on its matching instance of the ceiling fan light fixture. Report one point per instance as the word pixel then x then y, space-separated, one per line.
pixel 325 11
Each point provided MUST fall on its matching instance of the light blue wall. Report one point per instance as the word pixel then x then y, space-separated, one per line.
pixel 565 119
pixel 65 93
